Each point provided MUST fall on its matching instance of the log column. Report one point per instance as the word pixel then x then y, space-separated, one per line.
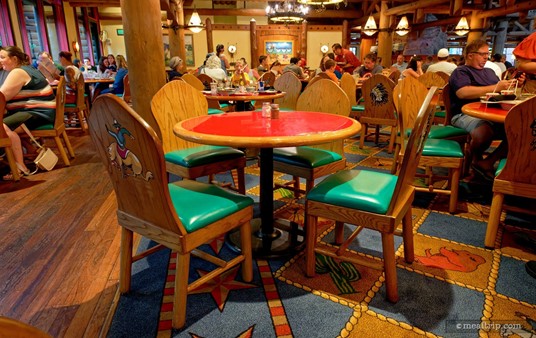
pixel 304 27
pixel 385 39
pixel 366 43
pixel 345 35
pixel 476 24
pixel 500 38
pixel 144 46
pixel 210 39
pixel 254 62
pixel 180 31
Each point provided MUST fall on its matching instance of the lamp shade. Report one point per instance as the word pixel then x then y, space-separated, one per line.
pixel 462 27
pixel 320 2
pixel 403 26
pixel 195 24
pixel 370 27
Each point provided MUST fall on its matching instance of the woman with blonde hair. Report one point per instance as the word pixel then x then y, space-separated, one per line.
pixel 213 69
pixel 122 70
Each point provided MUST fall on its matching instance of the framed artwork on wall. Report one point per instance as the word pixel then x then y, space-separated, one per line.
pixel 279 50
pixel 189 45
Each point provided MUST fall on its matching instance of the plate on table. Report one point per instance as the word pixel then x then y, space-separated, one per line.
pixel 507 105
pixel 268 92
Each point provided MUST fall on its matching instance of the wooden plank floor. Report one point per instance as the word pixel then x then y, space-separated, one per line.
pixel 60 246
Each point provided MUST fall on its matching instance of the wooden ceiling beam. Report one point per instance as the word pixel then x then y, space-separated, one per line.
pixel 508 9
pixel 410 7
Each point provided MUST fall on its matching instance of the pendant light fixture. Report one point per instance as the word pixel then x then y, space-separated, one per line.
pixel 403 26
pixel 462 27
pixel 370 27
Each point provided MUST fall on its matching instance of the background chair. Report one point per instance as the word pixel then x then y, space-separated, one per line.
pixel 379 108
pixel 517 174
pixel 313 162
pixel 57 130
pixel 5 142
pixel 127 96
pixel 268 78
pixel 11 328
pixel 291 85
pixel 175 102
pixel 369 199
pixel 430 79
pixel 181 216
pixel 394 75
pixel 193 81
pixel 349 87
pixel 214 107
pixel 438 153
pixel 80 107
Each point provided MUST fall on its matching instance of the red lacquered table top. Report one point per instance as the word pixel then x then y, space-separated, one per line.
pixel 489 112
pixel 250 129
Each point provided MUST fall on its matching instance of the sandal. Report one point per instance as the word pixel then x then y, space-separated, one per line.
pixel 22 172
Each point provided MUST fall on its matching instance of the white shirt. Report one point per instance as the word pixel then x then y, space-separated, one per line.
pixel 217 74
pixel 493 67
pixel 442 66
pixel 501 65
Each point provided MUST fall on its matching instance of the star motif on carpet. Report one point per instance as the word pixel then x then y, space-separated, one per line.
pixel 220 286
pixel 217 244
pixel 246 334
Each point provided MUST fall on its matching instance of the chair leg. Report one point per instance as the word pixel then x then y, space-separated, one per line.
pixel 494 219
pixel 68 144
pixel 389 264
pixel 240 173
pixel 245 243
pixel 310 242
pixel 296 186
pixel 392 140
pixel 407 235
pixel 454 188
pixel 181 290
pixel 12 164
pixel 125 272
pixel 339 232
pixel 364 128
pixel 309 184
pixel 63 154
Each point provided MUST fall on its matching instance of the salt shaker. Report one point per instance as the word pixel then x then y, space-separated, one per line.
pixel 274 107
pixel 266 110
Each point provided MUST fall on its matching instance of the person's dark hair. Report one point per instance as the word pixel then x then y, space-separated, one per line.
pixel 329 63
pixel 413 62
pixel 262 58
pixel 275 64
pixel 66 55
pixel 76 63
pixel 336 46
pixel 371 56
pixel 294 60
pixel 331 56
pixel 497 57
pixel 102 67
pixel 219 49
pixel 14 51
pixel 244 61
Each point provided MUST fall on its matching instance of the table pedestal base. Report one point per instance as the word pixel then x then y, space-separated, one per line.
pixel 286 239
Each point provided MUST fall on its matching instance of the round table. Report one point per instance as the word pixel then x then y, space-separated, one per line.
pixel 250 129
pixel 485 111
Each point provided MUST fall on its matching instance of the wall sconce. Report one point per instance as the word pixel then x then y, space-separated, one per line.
pixel 403 26
pixel 462 27
pixel 76 47
pixel 195 25
pixel 370 27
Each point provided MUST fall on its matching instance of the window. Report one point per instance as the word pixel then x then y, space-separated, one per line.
pixel 34 37
pixel 6 34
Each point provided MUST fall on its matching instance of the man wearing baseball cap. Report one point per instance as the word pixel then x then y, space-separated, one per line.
pixel 442 65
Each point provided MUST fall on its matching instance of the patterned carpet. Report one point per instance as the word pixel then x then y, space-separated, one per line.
pixel 455 287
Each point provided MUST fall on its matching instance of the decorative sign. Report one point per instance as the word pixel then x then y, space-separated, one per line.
pixel 281 51
pixel 120 32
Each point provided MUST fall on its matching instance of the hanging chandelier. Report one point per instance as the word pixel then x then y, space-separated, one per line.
pixel 403 26
pixel 286 12
pixel 320 5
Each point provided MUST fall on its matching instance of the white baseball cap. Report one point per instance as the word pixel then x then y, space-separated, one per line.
pixel 443 53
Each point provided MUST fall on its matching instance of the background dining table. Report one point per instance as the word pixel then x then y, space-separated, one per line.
pixel 486 111
pixel 250 129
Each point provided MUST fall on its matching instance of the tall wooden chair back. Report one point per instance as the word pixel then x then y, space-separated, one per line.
pixel 314 97
pixel 349 87
pixel 408 96
pixel 57 130
pixel 430 79
pixel 80 107
pixel 206 80
pixel 291 85
pixel 314 79
pixel 12 328
pixel 193 81
pixel 446 102
pixel 177 101
pixel 323 75
pixel 335 199
pixel 394 75
pixel 162 212
pixel 444 76
pixel 268 78
pixel 379 107
pixel 518 174
pixel 127 96
pixel 5 141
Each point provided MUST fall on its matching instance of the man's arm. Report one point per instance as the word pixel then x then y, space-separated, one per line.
pixel 474 92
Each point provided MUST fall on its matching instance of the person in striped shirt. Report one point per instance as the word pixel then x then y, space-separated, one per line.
pixel 29 100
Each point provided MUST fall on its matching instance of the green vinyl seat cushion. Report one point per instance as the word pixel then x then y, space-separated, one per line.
pixel 49 126
pixel 359 107
pixel 357 189
pixel 200 204
pixel 193 157
pixel 439 132
pixel 306 157
pixel 215 111
pixel 440 113
pixel 500 167
pixel 442 148
pixel 70 105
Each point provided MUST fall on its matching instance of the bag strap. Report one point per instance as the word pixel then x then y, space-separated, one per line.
pixel 23 126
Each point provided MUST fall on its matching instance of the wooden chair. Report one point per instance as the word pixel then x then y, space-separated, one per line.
pixel 438 153
pixel 206 80
pixel 12 328
pixel 349 87
pixel 177 101
pixel 181 216
pixel 268 78
pixel 319 160
pixel 444 76
pixel 291 85
pixel 516 175
pixel 314 79
pixel 430 79
pixel 80 107
pixel 394 75
pixel 57 130
pixel 214 107
pixel 379 108
pixel 5 141
pixel 193 81
pixel 127 96
pixel 369 199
